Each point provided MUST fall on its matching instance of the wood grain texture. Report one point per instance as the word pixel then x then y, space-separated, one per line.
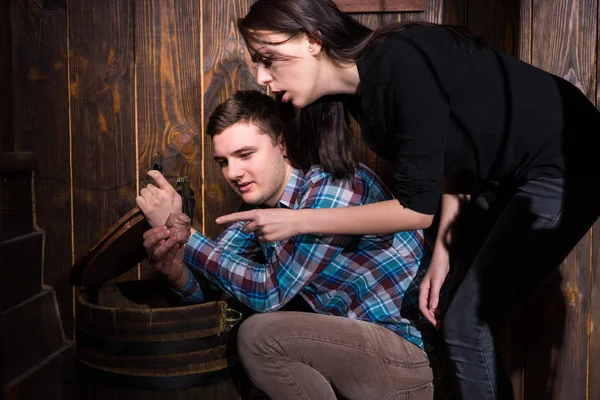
pixel 52 379
pixel 167 36
pixel 380 6
pixel 6 78
pixel 562 46
pixel 102 107
pixel 503 24
pixel 593 325
pixel 29 333
pixel 438 12
pixel 41 123
pixel 224 71
pixel 20 275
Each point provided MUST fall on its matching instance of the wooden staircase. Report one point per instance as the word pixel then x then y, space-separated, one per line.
pixel 35 357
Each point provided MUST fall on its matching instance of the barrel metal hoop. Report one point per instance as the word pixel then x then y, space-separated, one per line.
pixel 129 347
pixel 139 382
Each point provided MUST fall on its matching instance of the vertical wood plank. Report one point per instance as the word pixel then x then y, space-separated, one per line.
pixel 224 71
pixel 593 325
pixel 168 80
pixel 41 123
pixel 439 12
pixel 103 136
pixel 503 24
pixel 168 90
pixel 6 77
pixel 558 323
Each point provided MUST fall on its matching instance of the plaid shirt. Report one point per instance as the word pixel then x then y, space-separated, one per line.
pixel 372 278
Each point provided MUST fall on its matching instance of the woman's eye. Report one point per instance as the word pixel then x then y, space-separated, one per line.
pixel 262 60
pixel 222 164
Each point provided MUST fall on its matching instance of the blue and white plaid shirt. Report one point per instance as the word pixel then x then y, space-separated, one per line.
pixel 373 278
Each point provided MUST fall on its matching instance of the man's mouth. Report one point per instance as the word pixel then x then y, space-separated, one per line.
pixel 244 187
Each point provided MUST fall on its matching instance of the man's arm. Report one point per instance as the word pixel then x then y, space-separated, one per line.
pixel 157 202
pixel 290 264
pixel 234 240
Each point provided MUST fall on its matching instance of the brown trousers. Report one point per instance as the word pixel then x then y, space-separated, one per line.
pixel 295 355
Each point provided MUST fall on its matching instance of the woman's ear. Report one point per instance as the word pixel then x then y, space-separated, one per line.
pixel 314 45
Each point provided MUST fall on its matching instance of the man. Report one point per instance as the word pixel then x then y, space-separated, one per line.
pixel 366 339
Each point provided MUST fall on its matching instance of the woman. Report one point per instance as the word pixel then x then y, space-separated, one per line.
pixel 460 121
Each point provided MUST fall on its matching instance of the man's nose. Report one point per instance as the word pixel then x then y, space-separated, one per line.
pixel 234 171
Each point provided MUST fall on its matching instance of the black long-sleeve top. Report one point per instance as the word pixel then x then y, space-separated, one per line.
pixel 440 108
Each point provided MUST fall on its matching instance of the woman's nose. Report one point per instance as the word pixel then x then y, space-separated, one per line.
pixel 262 76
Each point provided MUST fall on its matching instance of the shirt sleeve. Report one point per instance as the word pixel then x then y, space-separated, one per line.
pixel 289 266
pixel 420 119
pixel 191 293
pixel 235 240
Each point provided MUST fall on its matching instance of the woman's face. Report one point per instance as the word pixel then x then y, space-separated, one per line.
pixel 291 67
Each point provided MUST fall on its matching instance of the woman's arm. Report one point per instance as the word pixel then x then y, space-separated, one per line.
pixel 429 290
pixel 276 224
pixel 377 218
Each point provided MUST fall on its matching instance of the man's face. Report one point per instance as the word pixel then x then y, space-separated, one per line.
pixel 252 164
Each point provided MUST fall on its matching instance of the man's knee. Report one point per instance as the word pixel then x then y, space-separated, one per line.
pixel 256 335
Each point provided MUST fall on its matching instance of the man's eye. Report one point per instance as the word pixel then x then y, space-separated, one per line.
pixel 245 155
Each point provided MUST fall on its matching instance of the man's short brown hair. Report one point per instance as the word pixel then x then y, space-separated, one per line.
pixel 246 107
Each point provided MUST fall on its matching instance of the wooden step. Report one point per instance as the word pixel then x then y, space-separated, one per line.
pixel 16 215
pixel 21 270
pixel 29 333
pixel 52 379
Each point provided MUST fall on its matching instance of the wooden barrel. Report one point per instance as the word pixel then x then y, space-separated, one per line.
pixel 134 342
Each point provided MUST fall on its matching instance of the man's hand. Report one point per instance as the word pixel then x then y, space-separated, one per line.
pixel 429 292
pixel 157 202
pixel 165 255
pixel 268 225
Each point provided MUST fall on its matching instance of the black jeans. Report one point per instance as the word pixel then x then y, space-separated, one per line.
pixel 509 247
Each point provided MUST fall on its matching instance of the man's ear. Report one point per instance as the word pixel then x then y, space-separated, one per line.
pixel 282 146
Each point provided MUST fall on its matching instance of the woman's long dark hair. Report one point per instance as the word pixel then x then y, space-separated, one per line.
pixel 321 133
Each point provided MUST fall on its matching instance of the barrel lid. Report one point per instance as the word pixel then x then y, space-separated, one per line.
pixel 119 250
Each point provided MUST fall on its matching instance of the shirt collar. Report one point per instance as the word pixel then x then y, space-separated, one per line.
pixel 292 193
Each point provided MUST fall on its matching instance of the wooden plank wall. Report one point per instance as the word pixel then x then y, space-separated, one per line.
pixel 6 99
pixel 97 88
pixel 42 125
